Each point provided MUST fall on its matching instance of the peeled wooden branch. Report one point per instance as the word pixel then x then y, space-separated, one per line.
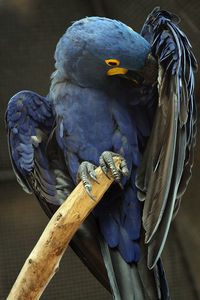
pixel 44 260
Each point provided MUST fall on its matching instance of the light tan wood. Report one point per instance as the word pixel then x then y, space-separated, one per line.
pixel 43 262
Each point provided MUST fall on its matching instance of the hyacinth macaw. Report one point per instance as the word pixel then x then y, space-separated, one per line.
pixel 114 92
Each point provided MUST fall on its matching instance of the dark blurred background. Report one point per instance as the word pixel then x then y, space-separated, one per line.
pixel 29 31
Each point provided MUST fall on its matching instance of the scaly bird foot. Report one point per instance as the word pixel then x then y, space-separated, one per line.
pixel 85 170
pixel 106 162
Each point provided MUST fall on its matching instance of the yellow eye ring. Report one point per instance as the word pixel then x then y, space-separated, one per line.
pixel 112 62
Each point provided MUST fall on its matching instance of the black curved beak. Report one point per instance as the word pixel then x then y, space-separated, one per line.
pixel 148 75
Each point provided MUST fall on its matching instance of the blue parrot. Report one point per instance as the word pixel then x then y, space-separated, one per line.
pixel 114 93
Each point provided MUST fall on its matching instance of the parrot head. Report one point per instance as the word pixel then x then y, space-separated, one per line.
pixel 94 49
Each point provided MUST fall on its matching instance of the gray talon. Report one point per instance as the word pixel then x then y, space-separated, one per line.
pixel 94 176
pixel 103 166
pixel 124 168
pixel 88 191
pixel 106 162
pixel 87 169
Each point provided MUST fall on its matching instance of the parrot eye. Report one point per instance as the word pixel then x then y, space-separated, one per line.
pixel 112 62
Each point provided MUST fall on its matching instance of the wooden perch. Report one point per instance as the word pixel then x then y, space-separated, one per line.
pixel 43 262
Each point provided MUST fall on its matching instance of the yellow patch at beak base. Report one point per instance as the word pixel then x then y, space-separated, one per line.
pixel 115 71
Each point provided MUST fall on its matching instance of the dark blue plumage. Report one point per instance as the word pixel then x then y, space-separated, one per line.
pixel 91 122
pixel 26 112
pixel 114 91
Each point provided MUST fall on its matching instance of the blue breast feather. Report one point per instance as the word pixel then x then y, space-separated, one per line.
pixel 96 122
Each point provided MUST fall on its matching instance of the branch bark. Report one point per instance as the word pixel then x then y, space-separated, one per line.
pixel 43 262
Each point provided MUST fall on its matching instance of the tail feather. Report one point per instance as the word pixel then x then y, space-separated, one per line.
pixel 163 283
pixel 126 281
pixel 133 281
pixel 105 250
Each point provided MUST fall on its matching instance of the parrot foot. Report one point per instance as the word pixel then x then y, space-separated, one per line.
pixel 85 170
pixel 106 162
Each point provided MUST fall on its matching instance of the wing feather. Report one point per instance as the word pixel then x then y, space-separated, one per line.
pixel 30 122
pixel 40 167
pixel 166 165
